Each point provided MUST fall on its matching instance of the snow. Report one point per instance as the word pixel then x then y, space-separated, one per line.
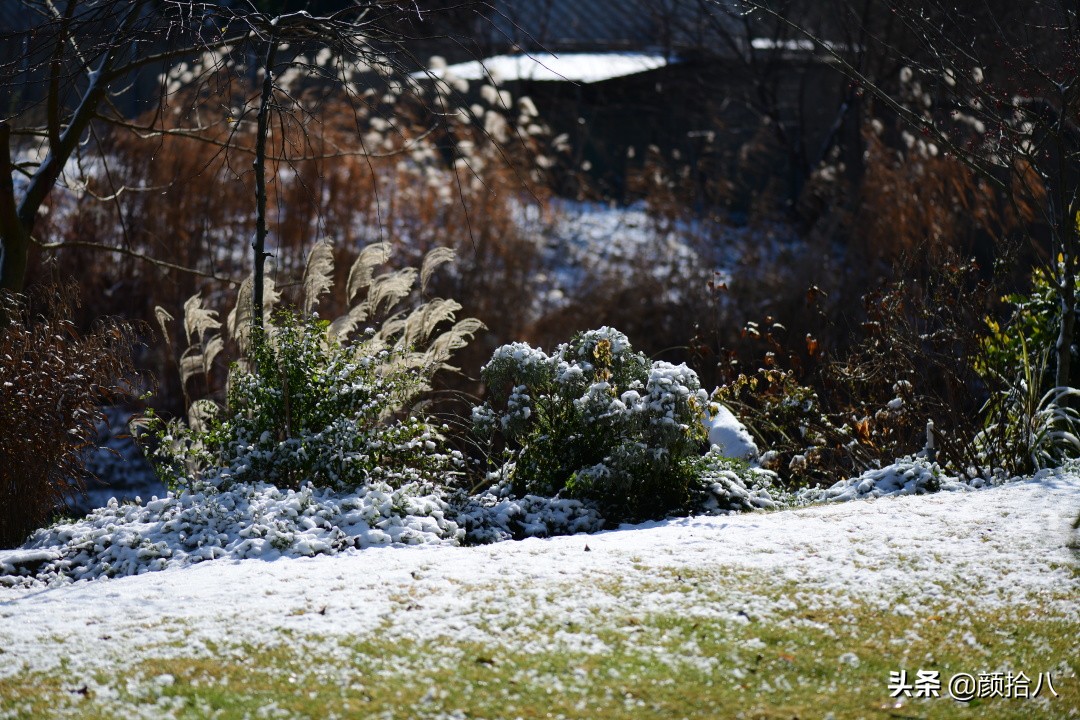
pixel 574 67
pixel 583 243
pixel 800 46
pixel 496 516
pixel 729 434
pixel 117 466
pixel 260 520
pixel 906 476
pixel 247 520
pixel 1010 542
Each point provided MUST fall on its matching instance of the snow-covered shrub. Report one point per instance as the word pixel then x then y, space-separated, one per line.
pixel 53 380
pixel 246 520
pixel 311 409
pixel 906 476
pixel 728 485
pixel 497 515
pixel 597 420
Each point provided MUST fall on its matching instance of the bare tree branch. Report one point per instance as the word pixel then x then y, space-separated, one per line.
pixel 135 254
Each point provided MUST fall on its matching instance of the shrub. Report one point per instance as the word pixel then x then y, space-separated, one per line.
pixel 905 476
pixel 306 403
pixel 52 381
pixel 315 410
pixel 727 485
pixel 597 421
pixel 1030 332
pixel 496 515
pixel 1028 423
pixel 916 364
pixel 911 364
pixel 247 520
pixel 789 419
pixel 1024 428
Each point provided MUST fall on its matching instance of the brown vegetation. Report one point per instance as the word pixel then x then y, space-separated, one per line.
pixel 53 380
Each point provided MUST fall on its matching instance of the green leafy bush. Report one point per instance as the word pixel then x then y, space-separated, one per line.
pixel 311 409
pixel 1048 431
pixel 1026 429
pixel 1028 423
pixel 1030 332
pixel 597 421
pixel 314 400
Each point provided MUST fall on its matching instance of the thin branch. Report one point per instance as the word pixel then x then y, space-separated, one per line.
pixel 135 254
pixel 52 112
pixel 193 134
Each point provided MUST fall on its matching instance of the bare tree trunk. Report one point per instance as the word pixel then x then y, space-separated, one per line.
pixel 259 246
pixel 14 236
pixel 1066 217
pixel 17 219
pixel 16 240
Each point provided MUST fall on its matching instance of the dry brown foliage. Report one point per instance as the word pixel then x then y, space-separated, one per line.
pixel 931 203
pixel 918 351
pixel 53 380
pixel 380 167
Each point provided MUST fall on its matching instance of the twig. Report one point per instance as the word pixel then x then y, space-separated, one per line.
pixel 135 254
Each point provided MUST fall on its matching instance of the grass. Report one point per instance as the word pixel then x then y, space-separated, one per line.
pixel 814 657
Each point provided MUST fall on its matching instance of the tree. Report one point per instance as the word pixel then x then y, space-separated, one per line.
pixel 94 63
pixel 995 85
pixel 787 85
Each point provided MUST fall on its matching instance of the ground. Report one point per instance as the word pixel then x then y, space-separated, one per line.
pixel 797 613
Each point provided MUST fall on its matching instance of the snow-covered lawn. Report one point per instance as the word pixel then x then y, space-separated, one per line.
pixel 798 612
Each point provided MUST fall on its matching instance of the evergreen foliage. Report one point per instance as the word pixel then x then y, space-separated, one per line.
pixel 306 402
pixel 597 421
pixel 311 409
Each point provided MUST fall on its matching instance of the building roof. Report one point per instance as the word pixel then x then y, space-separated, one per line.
pixel 664 26
pixel 561 67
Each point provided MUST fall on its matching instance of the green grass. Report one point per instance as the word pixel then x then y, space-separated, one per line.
pixel 811 658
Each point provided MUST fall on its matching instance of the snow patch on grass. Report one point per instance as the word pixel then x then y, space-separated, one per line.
pixel 1003 547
